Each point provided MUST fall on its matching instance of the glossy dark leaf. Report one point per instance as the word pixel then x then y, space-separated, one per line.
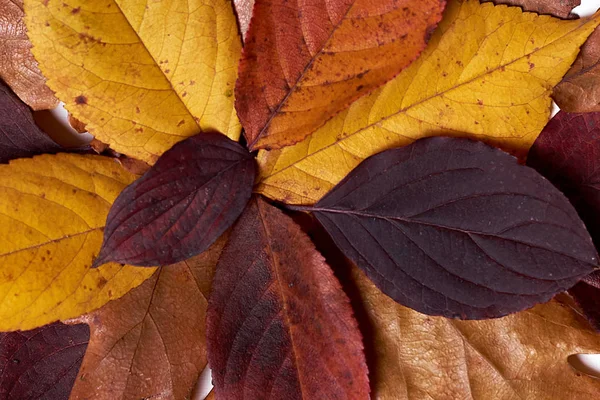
pixel 41 364
pixel 567 152
pixel 19 135
pixel 279 325
pixel 194 192
pixel 456 228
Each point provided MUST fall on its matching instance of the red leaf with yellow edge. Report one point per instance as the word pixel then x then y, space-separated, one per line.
pixel 278 322
pixel 303 62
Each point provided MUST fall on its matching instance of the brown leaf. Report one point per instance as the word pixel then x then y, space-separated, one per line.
pixel 77 124
pixel 151 342
pixel 522 356
pixel 17 65
pixel 135 166
pixel 279 326
pixel 304 62
pixel 557 8
pixel 579 91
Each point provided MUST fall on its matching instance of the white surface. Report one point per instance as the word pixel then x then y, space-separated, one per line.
pixel 586 363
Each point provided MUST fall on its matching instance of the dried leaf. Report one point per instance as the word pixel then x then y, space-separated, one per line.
pixel 19 135
pixel 151 342
pixel 303 62
pixel 193 194
pixel 497 88
pixel 52 213
pixel 77 124
pixel 243 10
pixel 17 65
pixel 456 228
pixel 587 295
pixel 42 363
pixel 557 8
pixel 579 91
pixel 522 356
pixel 279 325
pixel 136 167
pixel 138 83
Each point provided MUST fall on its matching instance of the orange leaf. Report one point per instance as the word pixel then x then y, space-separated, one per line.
pixel 303 62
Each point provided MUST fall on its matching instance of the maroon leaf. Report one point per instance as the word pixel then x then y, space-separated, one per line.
pixel 177 209
pixel 278 324
pixel 567 152
pixel 42 363
pixel 456 228
pixel 19 135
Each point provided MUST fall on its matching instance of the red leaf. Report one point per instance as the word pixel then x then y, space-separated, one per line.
pixel 19 135
pixel 194 192
pixel 278 324
pixel 41 363
pixel 305 61
pixel 456 228
pixel 567 153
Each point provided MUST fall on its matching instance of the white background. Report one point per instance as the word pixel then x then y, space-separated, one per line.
pixel 56 124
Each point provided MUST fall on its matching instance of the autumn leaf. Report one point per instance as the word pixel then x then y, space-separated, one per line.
pixel 138 83
pixel 19 135
pixel 303 62
pixel 194 193
pixel 41 363
pixel 522 356
pixel 557 8
pixel 279 325
pixel 496 88
pixel 587 295
pixel 456 228
pixel 18 68
pixel 579 91
pixel 151 342
pixel 52 213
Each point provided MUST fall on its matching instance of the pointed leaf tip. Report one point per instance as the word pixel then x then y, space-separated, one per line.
pixel 177 209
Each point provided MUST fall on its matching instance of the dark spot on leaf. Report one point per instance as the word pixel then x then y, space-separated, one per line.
pixel 81 99
pixel 76 10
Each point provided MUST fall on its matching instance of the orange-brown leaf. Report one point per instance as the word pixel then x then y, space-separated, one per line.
pixel 279 324
pixel 303 62
pixel 557 8
pixel 151 342
pixel 17 65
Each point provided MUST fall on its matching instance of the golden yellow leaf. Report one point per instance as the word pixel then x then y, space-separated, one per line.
pixel 487 73
pixel 521 356
pixel 52 214
pixel 140 75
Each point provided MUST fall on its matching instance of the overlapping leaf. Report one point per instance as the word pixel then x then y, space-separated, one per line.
pixel 522 356
pixel 17 66
pixel 151 342
pixel 19 135
pixel 194 192
pixel 487 73
pixel 52 213
pixel 279 325
pixel 579 91
pixel 303 62
pixel 456 228
pixel 558 8
pixel 141 75
pixel 42 363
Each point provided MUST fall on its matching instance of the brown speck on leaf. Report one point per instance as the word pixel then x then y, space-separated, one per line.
pixel 181 123
pixel 183 94
pixel 137 110
pixel 76 10
pixel 480 102
pixel 167 71
pixel 81 100
pixel 531 66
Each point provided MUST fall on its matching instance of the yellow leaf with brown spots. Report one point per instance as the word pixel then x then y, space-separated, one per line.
pixel 140 75
pixel 52 214
pixel 487 73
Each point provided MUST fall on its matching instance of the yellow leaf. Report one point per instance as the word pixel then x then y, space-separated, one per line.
pixel 487 73
pixel 140 75
pixel 521 356
pixel 52 214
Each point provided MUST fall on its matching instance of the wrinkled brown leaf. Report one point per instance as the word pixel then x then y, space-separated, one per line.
pixel 17 65
pixel 557 8
pixel 522 356
pixel 579 90
pixel 151 342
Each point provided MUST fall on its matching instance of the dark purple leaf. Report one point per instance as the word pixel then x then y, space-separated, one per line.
pixel 456 228
pixel 177 209
pixel 567 152
pixel 19 135
pixel 42 363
